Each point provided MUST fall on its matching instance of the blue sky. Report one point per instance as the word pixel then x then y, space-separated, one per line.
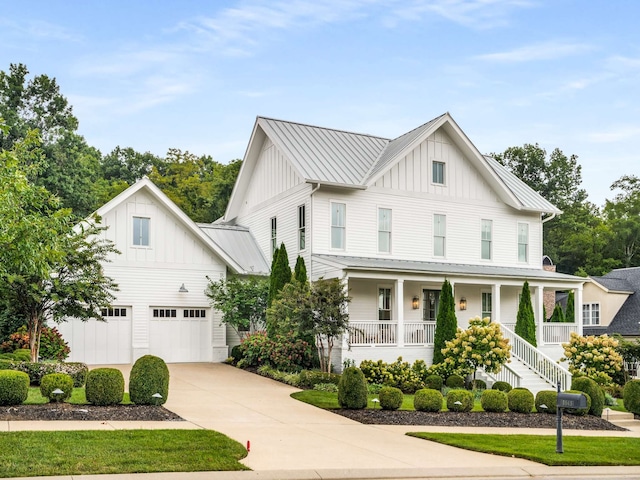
pixel 193 75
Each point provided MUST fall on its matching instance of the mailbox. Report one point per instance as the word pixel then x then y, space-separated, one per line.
pixel 571 400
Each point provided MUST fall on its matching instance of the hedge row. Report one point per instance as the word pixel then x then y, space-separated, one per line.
pixel 78 371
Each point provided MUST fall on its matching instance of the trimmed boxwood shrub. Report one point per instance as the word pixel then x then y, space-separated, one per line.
pixel 465 397
pixel 434 382
pixel 352 389
pixel 6 364
pixel 310 378
pixel 53 381
pixel 149 375
pixel 631 396
pixel 494 401
pixel 390 398
pixel 520 400
pixel 502 386
pixel 428 400
pixel 455 381
pixel 105 386
pixel 579 411
pixel 476 384
pixel 14 387
pixel 22 355
pixel 548 398
pixel 591 388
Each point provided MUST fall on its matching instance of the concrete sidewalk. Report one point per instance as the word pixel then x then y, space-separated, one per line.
pixel 290 439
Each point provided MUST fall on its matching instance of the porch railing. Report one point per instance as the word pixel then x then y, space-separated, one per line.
pixel 386 333
pixel 536 360
pixel 557 332
pixel 506 374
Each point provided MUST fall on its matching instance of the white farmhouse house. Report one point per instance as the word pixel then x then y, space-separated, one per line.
pixel 396 218
pixel 162 270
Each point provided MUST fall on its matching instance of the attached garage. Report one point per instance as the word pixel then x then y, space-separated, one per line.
pixel 179 334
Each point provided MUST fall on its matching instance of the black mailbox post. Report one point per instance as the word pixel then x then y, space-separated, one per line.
pixel 566 400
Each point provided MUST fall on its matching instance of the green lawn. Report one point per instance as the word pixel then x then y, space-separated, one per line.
pixel 78 397
pixel 538 448
pixel 31 454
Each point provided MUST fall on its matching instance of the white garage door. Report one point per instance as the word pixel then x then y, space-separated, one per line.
pixel 96 342
pixel 178 334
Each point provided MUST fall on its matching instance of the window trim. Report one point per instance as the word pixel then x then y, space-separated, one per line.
pixel 444 172
pixel 425 304
pixel 483 240
pixel 343 227
pixel 133 231
pixel 302 227
pixel 388 232
pixel 482 310
pixel 526 245
pixel 273 223
pixel 443 236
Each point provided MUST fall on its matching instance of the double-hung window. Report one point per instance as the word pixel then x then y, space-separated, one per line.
pixel 523 242
pixel 591 314
pixel 486 238
pixel 274 235
pixel 384 303
pixel 302 222
pixel 430 305
pixel 141 231
pixel 439 235
pixel 384 230
pixel 438 172
pixel 486 305
pixel 338 225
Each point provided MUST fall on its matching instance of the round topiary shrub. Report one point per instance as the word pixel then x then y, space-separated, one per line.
pixel 54 381
pixel 455 381
pixel 459 401
pixel 579 411
pixel 428 400
pixel 22 355
pixel 352 389
pixel 14 387
pixel 149 376
pixel 105 386
pixel 520 400
pixel 631 396
pixel 434 382
pixel 548 398
pixel 494 401
pixel 476 384
pixel 390 398
pixel 591 388
pixel 502 386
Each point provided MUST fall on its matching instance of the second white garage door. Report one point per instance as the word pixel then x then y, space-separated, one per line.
pixel 178 334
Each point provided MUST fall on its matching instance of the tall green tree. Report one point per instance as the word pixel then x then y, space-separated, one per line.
pixel 446 322
pixel 525 321
pixel 570 313
pixel 622 215
pixel 280 272
pixel 558 314
pixel 50 268
pixel 300 271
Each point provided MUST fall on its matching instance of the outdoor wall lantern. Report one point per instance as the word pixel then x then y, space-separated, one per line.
pixel 415 303
pixel 183 289
pixel 463 303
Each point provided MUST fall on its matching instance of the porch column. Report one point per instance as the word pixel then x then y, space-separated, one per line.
pixel 400 311
pixel 538 307
pixel 578 307
pixel 495 300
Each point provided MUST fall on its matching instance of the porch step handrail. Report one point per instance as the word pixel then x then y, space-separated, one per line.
pixel 506 374
pixel 536 361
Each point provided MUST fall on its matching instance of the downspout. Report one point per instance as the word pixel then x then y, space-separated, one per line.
pixel 545 220
pixel 313 190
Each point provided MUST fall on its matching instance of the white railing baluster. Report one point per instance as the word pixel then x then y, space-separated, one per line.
pixel 557 332
pixel 373 333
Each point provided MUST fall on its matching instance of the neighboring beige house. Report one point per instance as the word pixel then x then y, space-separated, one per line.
pixel 396 217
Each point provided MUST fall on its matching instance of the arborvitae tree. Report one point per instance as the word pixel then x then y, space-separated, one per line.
pixel 558 314
pixel 570 313
pixel 446 322
pixel 525 323
pixel 274 260
pixel 280 273
pixel 300 271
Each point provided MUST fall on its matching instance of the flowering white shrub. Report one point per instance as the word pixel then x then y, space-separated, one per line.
pixel 480 346
pixel 594 357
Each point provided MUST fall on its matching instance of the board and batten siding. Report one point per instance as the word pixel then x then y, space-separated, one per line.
pixel 412 227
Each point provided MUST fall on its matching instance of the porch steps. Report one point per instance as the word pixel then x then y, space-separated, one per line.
pixel 621 419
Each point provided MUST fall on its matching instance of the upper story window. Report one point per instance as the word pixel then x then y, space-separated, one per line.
pixel 438 172
pixel 141 231
pixel 384 303
pixel 274 235
pixel 591 314
pixel 486 237
pixel 439 234
pixel 338 225
pixel 384 230
pixel 523 242
pixel 302 230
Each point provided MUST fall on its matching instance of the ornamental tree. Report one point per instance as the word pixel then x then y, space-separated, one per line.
pixel 479 346
pixel 280 272
pixel 446 322
pixel 300 271
pixel 593 357
pixel 525 322
pixel 570 313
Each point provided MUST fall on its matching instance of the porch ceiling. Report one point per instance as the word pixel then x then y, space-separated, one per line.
pixel 410 266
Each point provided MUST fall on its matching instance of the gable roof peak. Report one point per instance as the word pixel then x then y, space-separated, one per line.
pixel 329 129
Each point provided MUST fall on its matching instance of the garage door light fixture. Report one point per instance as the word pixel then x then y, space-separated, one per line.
pixel 183 289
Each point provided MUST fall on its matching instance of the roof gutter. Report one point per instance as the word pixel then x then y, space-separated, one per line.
pixel 335 185
pixel 545 220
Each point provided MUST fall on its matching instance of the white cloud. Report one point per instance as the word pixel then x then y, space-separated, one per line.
pixel 38 30
pixel 616 135
pixel 551 50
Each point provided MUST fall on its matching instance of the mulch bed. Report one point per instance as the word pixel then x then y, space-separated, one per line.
pixel 477 419
pixel 66 411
